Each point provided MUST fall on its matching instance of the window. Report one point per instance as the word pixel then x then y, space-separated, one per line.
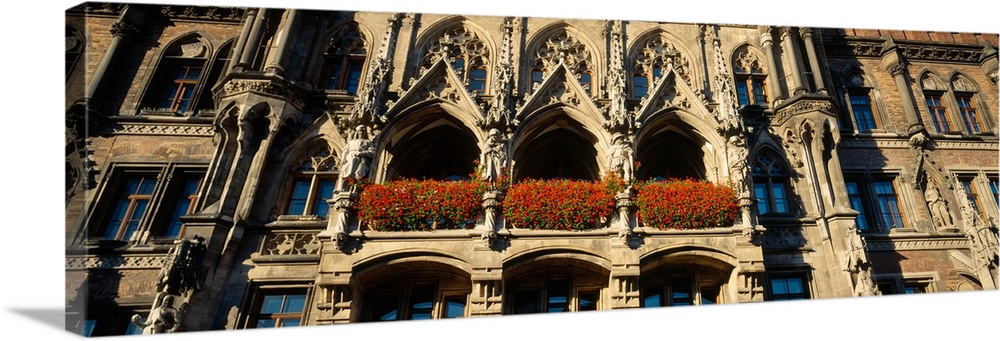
pixel 417 301
pixel 749 75
pixel 182 74
pixel 537 75
pixel 770 183
pixel 861 107
pixel 276 310
pixel 344 73
pixel 313 183
pixel 344 60
pixel 555 296
pixel 979 188
pixel 640 86
pixel 131 202
pixel 477 80
pixel 968 111
pixel 677 291
pixel 143 203
pixel 900 285
pixel 789 286
pixel 938 113
pixel 876 199
pixel 854 191
pixel 179 92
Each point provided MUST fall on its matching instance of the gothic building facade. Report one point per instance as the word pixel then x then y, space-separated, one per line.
pixel 217 162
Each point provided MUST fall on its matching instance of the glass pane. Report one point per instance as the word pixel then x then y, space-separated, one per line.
pixel 558 297
pixel 174 226
pixel 588 300
pixel 526 302
pixel 147 186
pixel 271 304
pixel 300 191
pixel 422 303
pixel 294 303
pixel 641 85
pixel 354 78
pixel 794 285
pixel 88 327
pixel 709 295
pixel 324 191
pixel 681 293
pixel 780 198
pixel 454 307
pixel 133 329
pixel 291 322
pixel 779 286
pixel 266 323
pixel 763 200
pixel 742 94
pixel 386 308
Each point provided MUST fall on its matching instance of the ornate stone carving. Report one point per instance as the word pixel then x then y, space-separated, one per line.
pixel 856 263
pixel 940 214
pixel 620 157
pixel 115 262
pixel 488 238
pixel 896 69
pixel 800 107
pixel 727 113
pixel 265 86
pixel 562 48
pixel 918 244
pixel 750 285
pixel 493 159
pixel 462 48
pixel 163 318
pixel 123 29
pixel 625 291
pixel 618 116
pixel 992 76
pixel 357 157
pixel 370 106
pixel 334 303
pixel 160 129
pixel 784 237
pixel 982 235
pixel 498 114
pixel 283 244
pixel 486 297
pixel 181 272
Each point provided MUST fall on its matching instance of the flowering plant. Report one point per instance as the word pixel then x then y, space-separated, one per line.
pixel 685 204
pixel 420 205
pixel 558 204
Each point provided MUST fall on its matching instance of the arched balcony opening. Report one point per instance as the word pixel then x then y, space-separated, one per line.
pixel 669 151
pixel 441 149
pixel 558 148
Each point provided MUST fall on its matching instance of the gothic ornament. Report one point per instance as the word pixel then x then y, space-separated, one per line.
pixel 499 112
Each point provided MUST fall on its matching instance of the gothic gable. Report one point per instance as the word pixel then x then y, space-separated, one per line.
pixel 439 84
pixel 560 88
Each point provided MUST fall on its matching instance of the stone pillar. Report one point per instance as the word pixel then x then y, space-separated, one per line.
pixel 120 31
pixel 807 34
pixel 793 60
pixel 281 43
pixel 487 295
pixel 250 20
pixel 766 42
pixel 894 65
pixel 333 299
pixel 250 47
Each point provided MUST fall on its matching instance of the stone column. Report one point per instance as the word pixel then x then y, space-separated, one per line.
pixel 250 47
pixel 793 60
pixel 241 43
pixel 807 34
pixel 895 66
pixel 281 43
pixel 120 31
pixel 766 42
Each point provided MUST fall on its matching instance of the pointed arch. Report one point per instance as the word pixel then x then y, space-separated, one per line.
pixel 750 75
pixel 344 52
pixel 435 139
pixel 559 141
pixel 555 43
pixel 935 91
pixel 651 54
pixel 179 76
pixel 771 187
pixel 673 143
pixel 972 108
pixel 468 48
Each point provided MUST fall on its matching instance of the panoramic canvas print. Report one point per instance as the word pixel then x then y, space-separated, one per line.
pixel 243 167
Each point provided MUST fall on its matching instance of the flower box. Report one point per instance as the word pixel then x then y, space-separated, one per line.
pixel 685 204
pixel 558 204
pixel 420 205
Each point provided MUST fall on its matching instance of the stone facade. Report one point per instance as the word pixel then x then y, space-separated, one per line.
pixel 217 161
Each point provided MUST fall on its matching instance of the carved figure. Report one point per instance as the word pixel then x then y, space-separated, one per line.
pixel 360 150
pixel 493 157
pixel 939 209
pixel 164 318
pixel 620 158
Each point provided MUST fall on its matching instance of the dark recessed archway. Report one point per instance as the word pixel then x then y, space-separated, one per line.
pixel 558 148
pixel 441 151
pixel 668 154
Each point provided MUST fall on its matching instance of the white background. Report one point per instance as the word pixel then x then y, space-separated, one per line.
pixel 32 114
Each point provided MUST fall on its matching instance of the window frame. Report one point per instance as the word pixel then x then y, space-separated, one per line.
pixel 899 283
pixel 769 180
pixel 405 301
pixel 871 200
pixel 161 201
pixel 752 81
pixel 263 290
pixel 938 111
pixel 970 111
pixel 336 66
pixel 852 109
pixel 805 275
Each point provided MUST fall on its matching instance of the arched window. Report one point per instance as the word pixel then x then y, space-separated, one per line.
pixel 561 47
pixel 770 184
pixel 313 181
pixel 967 101
pixel 655 56
pixel 859 106
pixel 343 61
pixel 74 49
pixel 934 96
pixel 466 53
pixel 750 78
pixel 184 72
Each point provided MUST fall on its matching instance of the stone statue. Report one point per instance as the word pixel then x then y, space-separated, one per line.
pixel 939 209
pixel 358 157
pixel 620 158
pixel 164 318
pixel 493 157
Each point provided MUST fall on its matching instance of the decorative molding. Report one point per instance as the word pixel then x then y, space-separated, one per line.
pixel 784 237
pixel 896 69
pixel 203 13
pixel 910 50
pixel 927 243
pixel 160 129
pixel 115 262
pixel 265 86
pixel 123 29
pixel 901 143
pixel 281 244
pixel 801 106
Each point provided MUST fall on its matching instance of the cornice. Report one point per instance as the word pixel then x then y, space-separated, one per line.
pixel 910 49
pixel 114 262
pixel 919 242
pixel 152 128
pixel 214 13
pixel 903 143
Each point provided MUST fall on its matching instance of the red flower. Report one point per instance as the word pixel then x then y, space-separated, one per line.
pixel 558 204
pixel 685 204
pixel 412 205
